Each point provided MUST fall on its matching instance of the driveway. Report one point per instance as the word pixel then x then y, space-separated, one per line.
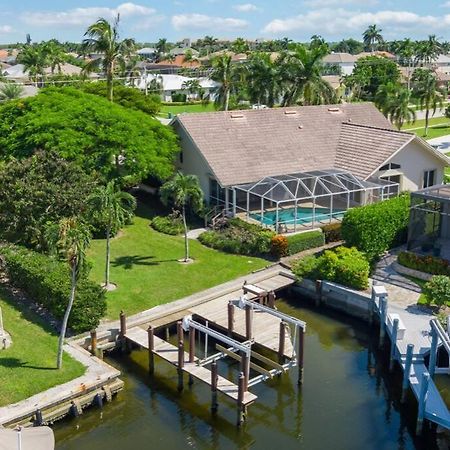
pixel 441 143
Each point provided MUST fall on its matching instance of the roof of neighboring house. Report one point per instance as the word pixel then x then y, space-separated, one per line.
pixel 16 72
pixel 179 61
pixel 246 146
pixel 183 50
pixel 175 82
pixel 7 55
pixel 65 69
pixel 235 57
pixel 442 59
pixel 339 58
pixel 335 81
pixel 147 51
pixel 28 90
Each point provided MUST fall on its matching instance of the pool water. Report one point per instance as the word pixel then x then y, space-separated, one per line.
pixel 304 215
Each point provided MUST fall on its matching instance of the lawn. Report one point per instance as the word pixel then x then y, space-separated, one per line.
pixel 178 109
pixel 144 265
pixel 29 365
pixel 439 126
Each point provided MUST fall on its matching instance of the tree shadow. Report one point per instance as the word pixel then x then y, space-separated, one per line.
pixel 128 262
pixel 14 363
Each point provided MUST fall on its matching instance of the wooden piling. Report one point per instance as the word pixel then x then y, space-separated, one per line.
pixel 151 346
pixel 433 352
pixel 245 368
pixel 240 402
pixel 38 420
pixel 281 341
pixel 300 353
pixel 191 351
pixel 383 315
pixel 214 381
pixel 180 365
pixel 94 342
pixel 230 319
pixel 248 322
pixel 123 324
pixel 271 299
pixel 393 345
pixel 98 400
pixel 422 397
pixel 407 371
pixel 318 292
pixel 180 331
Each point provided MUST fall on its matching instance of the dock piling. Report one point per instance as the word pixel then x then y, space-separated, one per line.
pixel 281 341
pixel 38 420
pixel 271 299
pixel 318 292
pixel 300 353
pixel 433 352
pixel 230 318
pixel 214 380
pixel 151 346
pixel 248 322
pixel 180 365
pixel 422 399
pixel 180 331
pixel 393 344
pixel 123 331
pixel 383 315
pixel 407 371
pixel 94 342
pixel 240 402
pixel 191 351
pixel 245 367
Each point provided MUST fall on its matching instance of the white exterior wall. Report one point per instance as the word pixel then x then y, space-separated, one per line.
pixel 347 68
pixel 414 160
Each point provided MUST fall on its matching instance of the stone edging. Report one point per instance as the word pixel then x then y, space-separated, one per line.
pixel 411 272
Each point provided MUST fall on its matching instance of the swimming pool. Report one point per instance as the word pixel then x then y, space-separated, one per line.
pixel 304 215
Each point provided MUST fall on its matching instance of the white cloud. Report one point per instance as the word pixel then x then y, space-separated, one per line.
pixel 446 5
pixel 338 22
pixel 204 22
pixel 85 16
pixel 246 7
pixel 5 29
pixel 325 3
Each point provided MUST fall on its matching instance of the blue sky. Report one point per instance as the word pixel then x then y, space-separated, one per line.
pixel 147 20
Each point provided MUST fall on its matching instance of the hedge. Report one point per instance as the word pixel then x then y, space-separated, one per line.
pixel 332 232
pixel 167 225
pixel 304 241
pixel 47 282
pixel 427 264
pixel 375 228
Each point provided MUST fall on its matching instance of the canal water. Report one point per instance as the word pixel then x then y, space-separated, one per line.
pixel 348 401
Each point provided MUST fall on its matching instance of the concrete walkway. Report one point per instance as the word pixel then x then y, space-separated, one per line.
pixel 441 143
pixel 194 234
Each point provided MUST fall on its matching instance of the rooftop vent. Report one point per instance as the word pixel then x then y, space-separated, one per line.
pixel 300 127
pixel 290 112
pixel 237 116
pixel 334 110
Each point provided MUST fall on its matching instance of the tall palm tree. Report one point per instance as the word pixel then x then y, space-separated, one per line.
pixel 240 45
pixel 400 111
pixel 407 50
pixel 225 73
pixel 55 55
pixel 10 91
pixel 103 38
pixel 162 47
pixel 429 50
pixel 384 95
pixel 425 89
pixel 209 42
pixel 372 36
pixel 183 191
pixel 69 240
pixel 192 86
pixel 112 208
pixel 34 59
pixel 301 77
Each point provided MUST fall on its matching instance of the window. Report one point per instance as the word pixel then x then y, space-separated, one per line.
pixel 390 166
pixel 429 178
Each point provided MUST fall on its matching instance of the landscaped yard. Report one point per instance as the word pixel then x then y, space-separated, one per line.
pixel 144 265
pixel 439 126
pixel 29 365
pixel 178 109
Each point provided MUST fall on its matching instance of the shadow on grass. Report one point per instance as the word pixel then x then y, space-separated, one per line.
pixel 128 262
pixel 14 363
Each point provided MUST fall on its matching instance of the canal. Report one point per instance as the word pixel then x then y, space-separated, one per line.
pixel 348 401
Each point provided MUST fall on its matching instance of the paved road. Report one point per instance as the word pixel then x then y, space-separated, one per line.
pixel 441 143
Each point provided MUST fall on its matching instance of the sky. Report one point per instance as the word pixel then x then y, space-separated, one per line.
pixel 149 20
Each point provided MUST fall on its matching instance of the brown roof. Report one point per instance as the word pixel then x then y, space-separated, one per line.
pixel 246 146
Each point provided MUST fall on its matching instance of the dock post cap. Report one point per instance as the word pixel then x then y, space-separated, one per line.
pixel 379 290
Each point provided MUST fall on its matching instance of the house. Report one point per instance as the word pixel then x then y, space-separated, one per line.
pixel 177 51
pixel 346 61
pixel 299 165
pixel 147 52
pixel 442 64
pixel 27 91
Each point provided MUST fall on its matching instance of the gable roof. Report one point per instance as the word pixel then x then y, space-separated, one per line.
pixel 246 146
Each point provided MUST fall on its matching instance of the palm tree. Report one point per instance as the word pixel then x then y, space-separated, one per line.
pixel 10 91
pixel 103 38
pixel 428 51
pixel 34 59
pixel 240 45
pixel 426 90
pixel 209 42
pixel 193 86
pixel 182 191
pixel 55 55
pixel 399 110
pixel 162 47
pixel 384 95
pixel 225 73
pixel 372 36
pixel 112 208
pixel 69 240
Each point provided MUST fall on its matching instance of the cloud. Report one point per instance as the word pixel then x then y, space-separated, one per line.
pixel 5 29
pixel 338 22
pixel 204 22
pixel 246 7
pixel 85 16
pixel 445 5
pixel 326 3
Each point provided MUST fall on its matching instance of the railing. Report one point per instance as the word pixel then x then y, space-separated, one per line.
pixel 213 215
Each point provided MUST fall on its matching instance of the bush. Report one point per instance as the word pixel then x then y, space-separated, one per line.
pixel 47 282
pixel 279 246
pixel 171 224
pixel 437 290
pixel 239 237
pixel 332 232
pixel 427 264
pixel 373 229
pixel 179 98
pixel 304 241
pixel 346 266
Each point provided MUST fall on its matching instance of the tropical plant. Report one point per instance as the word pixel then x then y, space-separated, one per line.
pixel 209 42
pixel 112 209
pixel 183 191
pixel 428 50
pixel 103 38
pixel 55 55
pixel 69 240
pixel 162 47
pixel 406 50
pixel 429 96
pixel 371 37
pixel 224 72
pixel 240 45
pixel 192 86
pixel 10 91
pixel 34 59
pixel 437 290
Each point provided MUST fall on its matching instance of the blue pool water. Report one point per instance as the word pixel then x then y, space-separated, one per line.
pixel 304 215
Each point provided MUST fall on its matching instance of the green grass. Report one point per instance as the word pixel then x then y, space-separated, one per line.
pixel 29 365
pixel 178 109
pixel 145 268
pixel 421 123
pixel 439 126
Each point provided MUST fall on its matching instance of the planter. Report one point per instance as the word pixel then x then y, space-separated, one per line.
pixel 411 272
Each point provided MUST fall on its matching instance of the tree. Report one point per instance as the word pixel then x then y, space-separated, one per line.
pixel 39 190
pixel 225 73
pixel 55 55
pixel 108 139
pixel 240 45
pixel 69 240
pixel 371 37
pixel 183 191
pixel 426 90
pixel 162 47
pixel 209 42
pixel 428 51
pixel 351 46
pixel 193 86
pixel 10 91
pixel 34 59
pixel 406 51
pixel 103 38
pixel 112 208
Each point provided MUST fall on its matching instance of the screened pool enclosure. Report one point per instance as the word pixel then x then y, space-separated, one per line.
pixel 305 199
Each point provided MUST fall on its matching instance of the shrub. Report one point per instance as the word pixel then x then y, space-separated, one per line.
pixel 171 224
pixel 437 290
pixel 332 232
pixel 47 282
pixel 346 266
pixel 427 264
pixel 179 97
pixel 375 228
pixel 237 236
pixel 304 241
pixel 279 246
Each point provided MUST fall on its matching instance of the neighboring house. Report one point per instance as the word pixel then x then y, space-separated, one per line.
pixel 235 57
pixel 267 163
pixel 8 56
pixel 177 51
pixel 346 61
pixel 180 62
pixel 19 74
pixel 174 84
pixel 147 52
pixel 28 90
pixel 442 64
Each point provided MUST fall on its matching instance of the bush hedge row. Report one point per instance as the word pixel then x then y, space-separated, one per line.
pixel 375 228
pixel 304 241
pixel 47 282
pixel 167 225
pixel 332 232
pixel 427 264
